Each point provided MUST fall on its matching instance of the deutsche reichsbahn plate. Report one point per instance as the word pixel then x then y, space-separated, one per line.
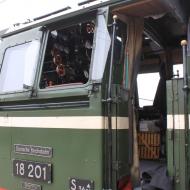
pixel 32 170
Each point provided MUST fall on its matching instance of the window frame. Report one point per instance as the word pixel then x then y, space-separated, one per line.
pixel 12 41
pixel 70 89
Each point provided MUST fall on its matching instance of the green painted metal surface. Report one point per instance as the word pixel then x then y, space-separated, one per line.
pixel 176 134
pixel 76 153
pixel 176 158
pixel 175 97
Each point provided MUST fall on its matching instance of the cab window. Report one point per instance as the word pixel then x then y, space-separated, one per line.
pixel 17 70
pixel 68 56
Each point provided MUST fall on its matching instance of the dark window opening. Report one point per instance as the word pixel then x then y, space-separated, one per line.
pixel 68 55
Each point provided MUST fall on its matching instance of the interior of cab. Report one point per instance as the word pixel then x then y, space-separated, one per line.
pixel 158 59
pixel 68 55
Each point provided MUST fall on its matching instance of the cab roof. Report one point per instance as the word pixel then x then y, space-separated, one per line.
pixel 178 8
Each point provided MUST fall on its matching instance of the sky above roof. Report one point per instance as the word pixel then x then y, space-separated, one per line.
pixel 14 11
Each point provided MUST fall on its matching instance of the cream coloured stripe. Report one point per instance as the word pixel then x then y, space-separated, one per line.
pixel 78 122
pixel 118 122
pixel 175 122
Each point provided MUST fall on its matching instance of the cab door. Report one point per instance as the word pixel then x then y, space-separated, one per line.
pixel 122 139
pixel 178 124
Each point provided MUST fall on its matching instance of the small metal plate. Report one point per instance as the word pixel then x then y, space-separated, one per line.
pixel 32 170
pixel 80 184
pixel 30 186
pixel 33 150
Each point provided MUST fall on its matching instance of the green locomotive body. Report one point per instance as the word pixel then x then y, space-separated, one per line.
pixel 69 102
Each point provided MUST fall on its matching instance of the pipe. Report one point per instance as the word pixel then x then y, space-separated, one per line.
pixel 185 87
pixel 109 102
pixel 185 74
pixel 186 117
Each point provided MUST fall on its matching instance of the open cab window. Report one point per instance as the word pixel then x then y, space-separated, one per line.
pixel 68 56
pixel 147 87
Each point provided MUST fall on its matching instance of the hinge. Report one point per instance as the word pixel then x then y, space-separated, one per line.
pixel 95 88
pixel 116 165
pixel 34 93
pixel 114 100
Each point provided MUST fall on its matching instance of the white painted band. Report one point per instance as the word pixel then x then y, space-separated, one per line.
pixel 72 122
pixel 175 122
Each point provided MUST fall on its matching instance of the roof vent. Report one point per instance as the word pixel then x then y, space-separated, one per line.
pixel 85 2
pixel 52 13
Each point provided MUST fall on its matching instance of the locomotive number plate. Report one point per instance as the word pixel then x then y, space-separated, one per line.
pixel 32 170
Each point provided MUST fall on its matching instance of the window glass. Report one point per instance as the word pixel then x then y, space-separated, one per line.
pixel 147 87
pixel 68 55
pixel 178 71
pixel 102 43
pixel 14 66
